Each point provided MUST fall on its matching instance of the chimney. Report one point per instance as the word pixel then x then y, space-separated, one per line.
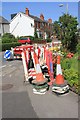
pixel 27 11
pixel 50 20
pixel 41 17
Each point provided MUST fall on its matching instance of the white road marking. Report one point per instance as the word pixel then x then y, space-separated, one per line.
pixel 10 65
pixel 10 75
pixel 3 66
pixel 0 75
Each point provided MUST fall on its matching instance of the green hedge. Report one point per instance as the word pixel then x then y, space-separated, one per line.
pixel 39 41
pixel 31 37
pixel 7 46
pixel 70 71
pixel 8 38
pixel 72 77
pixel 48 40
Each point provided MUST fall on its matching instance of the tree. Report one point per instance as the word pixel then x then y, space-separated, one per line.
pixel 56 29
pixel 67 29
pixel 8 38
pixel 35 35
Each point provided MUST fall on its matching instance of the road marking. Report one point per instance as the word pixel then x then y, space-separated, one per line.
pixel 10 75
pixel 13 69
pixel 3 66
pixel 0 75
pixel 10 65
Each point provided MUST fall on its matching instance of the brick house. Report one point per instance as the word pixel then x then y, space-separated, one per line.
pixel 32 24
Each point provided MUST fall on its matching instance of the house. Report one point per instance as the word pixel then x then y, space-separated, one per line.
pixel 25 24
pixel 4 26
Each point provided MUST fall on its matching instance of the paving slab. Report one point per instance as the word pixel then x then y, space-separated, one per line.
pixel 53 106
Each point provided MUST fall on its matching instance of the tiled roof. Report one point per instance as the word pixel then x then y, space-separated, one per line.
pixel 32 16
pixel 37 19
pixel 3 20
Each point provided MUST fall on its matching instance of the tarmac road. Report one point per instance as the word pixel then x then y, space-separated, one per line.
pixel 18 100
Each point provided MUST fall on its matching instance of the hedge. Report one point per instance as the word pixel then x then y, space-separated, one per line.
pixel 48 40
pixel 39 41
pixel 31 37
pixel 7 46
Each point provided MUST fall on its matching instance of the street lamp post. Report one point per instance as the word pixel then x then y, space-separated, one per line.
pixel 61 5
pixel 67 8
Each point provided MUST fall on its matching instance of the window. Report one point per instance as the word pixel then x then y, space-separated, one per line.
pixel 42 24
pixel 0 26
pixel 31 25
pixel 20 15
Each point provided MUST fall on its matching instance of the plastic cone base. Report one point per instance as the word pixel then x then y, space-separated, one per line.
pixel 60 90
pixel 39 83
pixel 57 93
pixel 40 92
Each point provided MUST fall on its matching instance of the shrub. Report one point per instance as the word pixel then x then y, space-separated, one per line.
pixel 48 40
pixel 31 37
pixel 39 40
pixel 70 71
pixel 0 47
pixel 72 77
pixel 66 63
pixel 7 46
pixel 35 35
pixel 78 48
pixel 70 74
pixel 8 38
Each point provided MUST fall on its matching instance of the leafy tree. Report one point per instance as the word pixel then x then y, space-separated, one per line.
pixel 35 35
pixel 78 48
pixel 66 29
pixel 8 38
pixel 56 29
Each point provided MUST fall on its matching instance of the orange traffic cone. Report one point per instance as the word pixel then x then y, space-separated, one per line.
pixel 39 75
pixel 40 83
pixel 60 85
pixel 59 76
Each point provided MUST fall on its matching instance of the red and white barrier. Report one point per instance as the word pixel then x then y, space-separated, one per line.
pixel 24 60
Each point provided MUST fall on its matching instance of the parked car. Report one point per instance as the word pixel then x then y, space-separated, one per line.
pixel 25 40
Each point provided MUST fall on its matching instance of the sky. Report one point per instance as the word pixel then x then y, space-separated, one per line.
pixel 48 9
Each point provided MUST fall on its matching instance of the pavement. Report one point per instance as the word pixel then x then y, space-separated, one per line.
pixel 18 100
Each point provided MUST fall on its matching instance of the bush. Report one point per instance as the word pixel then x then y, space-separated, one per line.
pixel 8 38
pixel 38 40
pixel 35 35
pixel 70 71
pixel 70 74
pixel 72 77
pixel 7 46
pixel 78 48
pixel 48 40
pixel 66 63
pixel 31 37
